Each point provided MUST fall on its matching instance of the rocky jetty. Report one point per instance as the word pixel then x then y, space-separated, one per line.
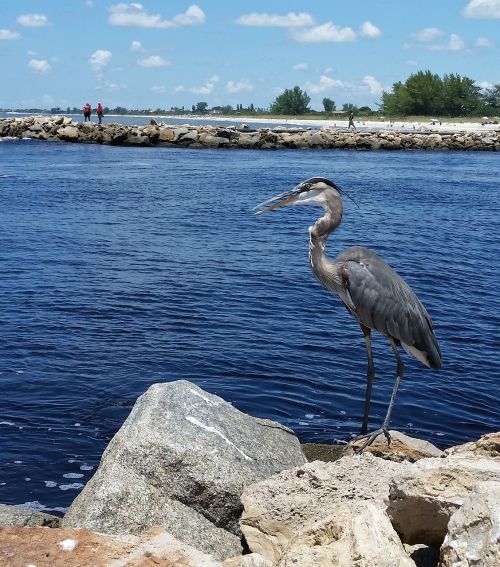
pixel 64 129
pixel 189 480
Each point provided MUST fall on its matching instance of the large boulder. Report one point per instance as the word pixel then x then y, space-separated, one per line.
pixel 181 460
pixel 68 133
pixel 325 514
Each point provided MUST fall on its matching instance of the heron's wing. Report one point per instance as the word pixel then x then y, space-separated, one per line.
pixel 383 301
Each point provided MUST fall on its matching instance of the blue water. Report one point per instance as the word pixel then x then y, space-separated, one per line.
pixel 122 267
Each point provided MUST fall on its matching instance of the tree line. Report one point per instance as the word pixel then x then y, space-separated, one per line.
pixel 422 94
pixel 426 93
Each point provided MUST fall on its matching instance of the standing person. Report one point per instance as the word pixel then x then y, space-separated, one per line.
pixel 351 120
pixel 87 111
pixel 100 112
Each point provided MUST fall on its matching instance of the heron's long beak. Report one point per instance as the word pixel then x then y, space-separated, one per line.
pixel 287 198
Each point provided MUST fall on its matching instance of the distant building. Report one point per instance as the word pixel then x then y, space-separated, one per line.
pixel 216 110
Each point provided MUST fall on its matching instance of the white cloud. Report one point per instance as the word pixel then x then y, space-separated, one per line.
pixel 99 59
pixel 192 16
pixel 153 61
pixel 39 66
pixel 179 89
pixel 486 85
pixel 136 46
pixel 482 9
pixel 290 20
pixel 207 88
pixel 484 42
pixel 456 43
pixel 238 87
pixel 158 89
pixel 33 20
pixel 411 62
pixel 301 67
pixel 328 32
pixel 373 85
pixel 135 15
pixel 324 84
pixel 111 87
pixel 7 34
pixel 370 31
pixel 427 34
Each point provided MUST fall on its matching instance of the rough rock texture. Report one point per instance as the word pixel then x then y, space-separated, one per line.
pixel 487 446
pixel 181 460
pixel 401 448
pixel 309 510
pixel 15 516
pixel 473 536
pixel 422 500
pixel 43 547
pixel 64 129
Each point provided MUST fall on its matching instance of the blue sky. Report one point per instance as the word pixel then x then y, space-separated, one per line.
pixel 163 53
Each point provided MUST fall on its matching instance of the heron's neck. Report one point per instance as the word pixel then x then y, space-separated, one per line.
pixel 318 234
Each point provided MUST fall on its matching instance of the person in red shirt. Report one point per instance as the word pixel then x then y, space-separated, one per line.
pixel 87 110
pixel 100 112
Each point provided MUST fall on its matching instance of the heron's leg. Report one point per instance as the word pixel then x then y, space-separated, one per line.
pixel 370 376
pixel 400 367
pixel 370 437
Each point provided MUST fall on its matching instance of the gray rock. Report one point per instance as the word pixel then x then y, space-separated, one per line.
pixel 138 140
pixel 68 133
pixel 188 137
pixel 181 460
pixel 16 516
pixel 248 140
pixel 473 536
pixel 213 141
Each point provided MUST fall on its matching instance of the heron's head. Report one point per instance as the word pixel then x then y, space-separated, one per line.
pixel 314 191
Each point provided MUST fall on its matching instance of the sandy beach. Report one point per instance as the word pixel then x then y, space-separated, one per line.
pixel 363 125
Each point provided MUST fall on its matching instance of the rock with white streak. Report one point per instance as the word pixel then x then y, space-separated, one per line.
pixel 473 536
pixel 181 460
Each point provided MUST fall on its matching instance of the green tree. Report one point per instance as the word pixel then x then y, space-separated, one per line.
pixel 347 106
pixel 201 107
pixel 396 103
pixel 328 105
pixel 292 101
pixel 425 91
pixel 460 95
pixel 491 99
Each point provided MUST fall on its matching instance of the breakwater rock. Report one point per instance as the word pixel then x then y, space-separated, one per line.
pixel 64 129
pixel 190 480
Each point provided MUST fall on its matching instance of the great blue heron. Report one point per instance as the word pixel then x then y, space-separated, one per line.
pixel 369 288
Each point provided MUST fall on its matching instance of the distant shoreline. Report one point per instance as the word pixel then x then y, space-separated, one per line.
pixel 293 134
pixel 439 126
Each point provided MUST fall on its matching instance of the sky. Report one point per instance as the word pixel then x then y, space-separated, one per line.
pixel 172 53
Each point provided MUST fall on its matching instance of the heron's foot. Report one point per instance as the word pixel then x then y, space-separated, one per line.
pixel 369 438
